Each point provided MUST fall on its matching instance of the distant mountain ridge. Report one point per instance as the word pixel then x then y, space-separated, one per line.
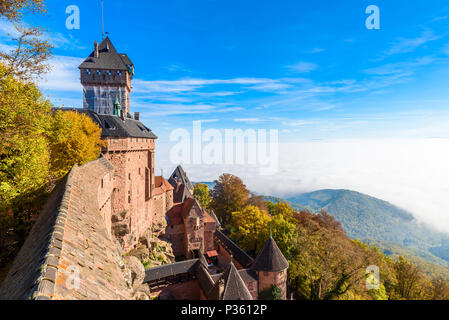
pixel 375 222
pixel 365 217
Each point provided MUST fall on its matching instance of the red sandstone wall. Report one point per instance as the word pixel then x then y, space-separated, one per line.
pixel 105 188
pixel 252 288
pixel 183 291
pixel 209 229
pixel 131 157
pixel 224 259
pixel 267 279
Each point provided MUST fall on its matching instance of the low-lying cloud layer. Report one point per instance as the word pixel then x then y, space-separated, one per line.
pixel 412 174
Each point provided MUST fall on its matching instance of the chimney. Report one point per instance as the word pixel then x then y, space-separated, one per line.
pixel 122 115
pixel 96 52
pixel 137 116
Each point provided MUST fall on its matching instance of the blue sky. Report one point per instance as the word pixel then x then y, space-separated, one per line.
pixel 310 69
pixel 359 109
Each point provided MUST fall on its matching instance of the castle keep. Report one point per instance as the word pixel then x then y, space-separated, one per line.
pixel 88 240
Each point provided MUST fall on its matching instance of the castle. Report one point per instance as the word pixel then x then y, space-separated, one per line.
pixel 81 245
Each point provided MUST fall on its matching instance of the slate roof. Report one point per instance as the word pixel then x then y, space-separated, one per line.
pixel 270 258
pixel 108 58
pixel 234 286
pixel 212 214
pixel 170 270
pixel 205 280
pixel 247 275
pixel 184 189
pixel 241 256
pixel 114 126
pixel 70 234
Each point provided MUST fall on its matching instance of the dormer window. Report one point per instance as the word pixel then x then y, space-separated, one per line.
pixel 108 125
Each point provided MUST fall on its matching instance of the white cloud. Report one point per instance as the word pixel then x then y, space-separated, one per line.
pixel 64 75
pixel 303 67
pixel 412 174
pixel 404 45
pixel 250 120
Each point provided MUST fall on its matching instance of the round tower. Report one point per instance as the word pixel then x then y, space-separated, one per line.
pixel 271 268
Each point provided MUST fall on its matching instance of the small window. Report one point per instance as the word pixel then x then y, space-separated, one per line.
pixel 102 184
pixel 108 125
pixel 99 72
pixel 88 71
pixel 108 72
pixel 119 72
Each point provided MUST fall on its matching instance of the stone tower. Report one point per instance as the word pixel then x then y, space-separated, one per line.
pixel 106 78
pixel 271 267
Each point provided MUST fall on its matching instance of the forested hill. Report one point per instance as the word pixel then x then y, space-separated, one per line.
pixel 365 217
pixel 368 218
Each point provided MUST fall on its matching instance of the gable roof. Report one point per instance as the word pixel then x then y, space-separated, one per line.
pixel 170 270
pixel 108 58
pixel 270 258
pixel 214 216
pixel 234 286
pixel 182 185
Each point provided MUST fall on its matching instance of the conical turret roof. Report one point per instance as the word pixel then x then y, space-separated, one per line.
pixel 270 258
pixel 234 286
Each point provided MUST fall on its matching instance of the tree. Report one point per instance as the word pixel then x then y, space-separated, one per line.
pixel 440 288
pixel 24 124
pixel 281 208
pixel 328 265
pixel 24 158
pixel 13 9
pixel 250 229
pixel 202 194
pixel 271 293
pixel 284 233
pixel 229 195
pixel 27 59
pixel 408 276
pixel 258 201
pixel 74 139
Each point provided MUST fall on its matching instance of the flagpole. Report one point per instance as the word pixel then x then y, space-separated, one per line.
pixel 102 20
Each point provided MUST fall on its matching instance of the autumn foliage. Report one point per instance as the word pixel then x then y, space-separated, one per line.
pixel 324 263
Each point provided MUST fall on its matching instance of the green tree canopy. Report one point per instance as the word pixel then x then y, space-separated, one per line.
pixel 202 194
pixel 271 293
pixel 250 228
